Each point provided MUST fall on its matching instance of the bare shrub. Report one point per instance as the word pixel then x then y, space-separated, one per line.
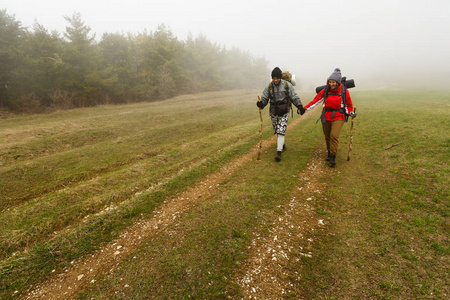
pixel 195 86
pixel 28 104
pixel 62 99
pixel 107 100
pixel 4 113
pixel 166 84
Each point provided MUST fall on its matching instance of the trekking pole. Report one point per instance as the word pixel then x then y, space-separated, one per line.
pixel 351 138
pixel 260 132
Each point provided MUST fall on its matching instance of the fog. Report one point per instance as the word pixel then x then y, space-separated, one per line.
pixel 380 44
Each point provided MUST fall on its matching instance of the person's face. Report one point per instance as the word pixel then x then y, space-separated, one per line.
pixel 276 80
pixel 333 84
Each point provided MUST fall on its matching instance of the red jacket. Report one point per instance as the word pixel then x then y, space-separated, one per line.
pixel 334 102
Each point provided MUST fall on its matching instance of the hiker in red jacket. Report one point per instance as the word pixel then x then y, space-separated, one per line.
pixel 337 106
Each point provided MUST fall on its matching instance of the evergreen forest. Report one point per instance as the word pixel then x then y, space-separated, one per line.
pixel 43 71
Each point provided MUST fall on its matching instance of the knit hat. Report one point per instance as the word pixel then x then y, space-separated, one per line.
pixel 336 75
pixel 277 73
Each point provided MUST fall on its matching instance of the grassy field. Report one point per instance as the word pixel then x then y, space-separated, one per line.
pixel 72 181
pixel 389 209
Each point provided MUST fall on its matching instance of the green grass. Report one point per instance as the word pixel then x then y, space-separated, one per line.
pixel 197 256
pixel 71 184
pixel 387 211
pixel 389 208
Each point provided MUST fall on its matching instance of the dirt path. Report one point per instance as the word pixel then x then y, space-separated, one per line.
pixel 67 284
pixel 266 269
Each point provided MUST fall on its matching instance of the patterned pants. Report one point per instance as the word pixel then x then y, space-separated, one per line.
pixel 279 123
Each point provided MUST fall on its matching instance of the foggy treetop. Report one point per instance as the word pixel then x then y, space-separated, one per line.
pixel 379 43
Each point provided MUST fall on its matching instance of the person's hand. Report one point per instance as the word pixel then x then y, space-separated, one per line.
pixel 260 104
pixel 301 110
pixel 352 114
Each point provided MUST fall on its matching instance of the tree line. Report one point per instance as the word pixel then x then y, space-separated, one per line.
pixel 42 70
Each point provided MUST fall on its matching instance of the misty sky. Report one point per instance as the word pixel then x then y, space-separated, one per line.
pixel 377 43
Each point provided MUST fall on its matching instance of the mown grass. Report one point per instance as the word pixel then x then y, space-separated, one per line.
pixel 109 182
pixel 66 149
pixel 197 257
pixel 387 210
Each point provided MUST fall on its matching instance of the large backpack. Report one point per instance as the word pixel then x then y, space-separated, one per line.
pixel 286 75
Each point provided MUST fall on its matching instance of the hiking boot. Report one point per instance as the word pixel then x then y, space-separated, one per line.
pixel 332 160
pixel 278 157
pixel 329 155
pixel 284 147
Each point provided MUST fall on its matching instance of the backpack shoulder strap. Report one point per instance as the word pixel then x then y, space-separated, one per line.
pixel 344 103
pixel 286 89
pixel 343 94
pixel 325 94
pixel 288 96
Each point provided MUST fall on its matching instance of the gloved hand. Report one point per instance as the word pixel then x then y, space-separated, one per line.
pixel 301 110
pixel 260 104
pixel 352 114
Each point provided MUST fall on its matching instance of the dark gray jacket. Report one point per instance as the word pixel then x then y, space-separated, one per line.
pixel 280 96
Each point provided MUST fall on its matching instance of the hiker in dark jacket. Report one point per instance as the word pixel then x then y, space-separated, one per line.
pixel 335 112
pixel 280 94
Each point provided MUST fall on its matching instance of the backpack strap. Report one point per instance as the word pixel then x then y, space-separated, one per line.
pixel 271 88
pixel 288 96
pixel 325 96
pixel 344 103
pixel 286 90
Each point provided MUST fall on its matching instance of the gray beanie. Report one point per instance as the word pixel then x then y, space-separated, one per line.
pixel 336 75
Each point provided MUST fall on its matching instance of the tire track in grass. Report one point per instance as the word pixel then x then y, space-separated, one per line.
pixel 81 272
pixel 266 272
